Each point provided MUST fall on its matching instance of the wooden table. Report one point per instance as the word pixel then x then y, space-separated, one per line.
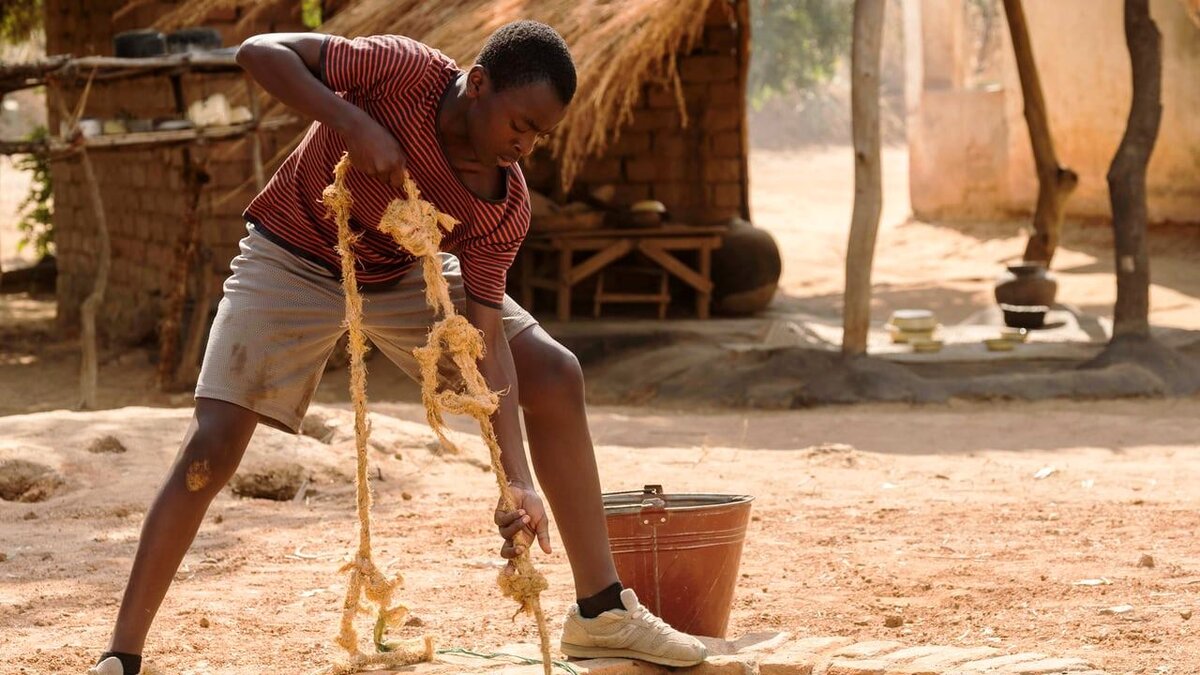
pixel 610 245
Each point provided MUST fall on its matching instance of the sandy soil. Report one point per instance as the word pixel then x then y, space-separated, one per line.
pixel 934 514
pixel 805 197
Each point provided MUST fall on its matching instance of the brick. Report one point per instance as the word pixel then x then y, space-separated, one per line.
pixel 955 656
pixel 1047 667
pixel 729 195
pixel 909 654
pixel 722 665
pixel 870 648
pixel 719 14
pixel 655 120
pixel 661 97
pixel 606 170
pixel 708 68
pixel 630 143
pixel 725 117
pixel 672 145
pixel 651 169
pixel 695 92
pixel 761 642
pixel 727 144
pixel 722 171
pixel 997 662
pixel 674 195
pixel 800 656
pixel 725 93
pixel 629 193
pixel 720 39
pixel 856 667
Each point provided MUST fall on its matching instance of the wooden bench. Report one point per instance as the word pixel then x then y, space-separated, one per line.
pixel 550 260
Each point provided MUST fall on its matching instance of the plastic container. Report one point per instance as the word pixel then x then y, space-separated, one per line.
pixel 680 553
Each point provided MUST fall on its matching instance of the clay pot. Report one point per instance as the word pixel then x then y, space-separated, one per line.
pixel 745 270
pixel 1025 284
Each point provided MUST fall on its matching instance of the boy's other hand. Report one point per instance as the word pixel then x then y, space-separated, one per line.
pixel 529 517
pixel 376 152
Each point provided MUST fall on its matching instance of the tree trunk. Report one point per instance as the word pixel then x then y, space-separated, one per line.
pixel 1055 182
pixel 87 313
pixel 1127 174
pixel 868 189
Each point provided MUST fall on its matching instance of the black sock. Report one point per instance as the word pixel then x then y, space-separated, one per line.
pixel 609 598
pixel 131 663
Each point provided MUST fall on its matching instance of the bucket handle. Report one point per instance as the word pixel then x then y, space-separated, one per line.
pixel 654 508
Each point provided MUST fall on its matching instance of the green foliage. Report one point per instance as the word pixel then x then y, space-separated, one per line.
pixel 311 13
pixel 37 210
pixel 19 20
pixel 796 44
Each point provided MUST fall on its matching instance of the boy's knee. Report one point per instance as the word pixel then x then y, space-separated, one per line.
pixel 558 380
pixel 208 461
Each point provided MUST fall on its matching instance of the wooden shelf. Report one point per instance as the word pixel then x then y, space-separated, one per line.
pixel 65 69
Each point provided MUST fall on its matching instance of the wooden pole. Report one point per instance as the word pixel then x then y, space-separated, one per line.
pixel 256 157
pixel 87 313
pixel 201 256
pixel 1127 174
pixel 743 55
pixel 868 188
pixel 1055 182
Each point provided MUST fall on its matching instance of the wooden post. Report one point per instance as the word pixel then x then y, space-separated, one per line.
pixel 868 188
pixel 743 56
pixel 256 158
pixel 1127 174
pixel 87 313
pixel 564 283
pixel 1055 182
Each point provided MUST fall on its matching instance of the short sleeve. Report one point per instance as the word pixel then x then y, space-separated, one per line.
pixel 373 67
pixel 485 262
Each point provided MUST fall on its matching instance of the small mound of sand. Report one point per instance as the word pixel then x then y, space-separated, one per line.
pixel 833 454
pixel 107 444
pixel 25 481
pixel 279 481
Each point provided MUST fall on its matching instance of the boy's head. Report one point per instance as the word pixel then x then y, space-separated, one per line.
pixel 520 85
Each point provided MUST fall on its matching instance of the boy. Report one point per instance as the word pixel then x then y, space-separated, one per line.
pixel 397 105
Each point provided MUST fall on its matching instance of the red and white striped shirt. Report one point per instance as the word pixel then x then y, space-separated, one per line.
pixel 400 83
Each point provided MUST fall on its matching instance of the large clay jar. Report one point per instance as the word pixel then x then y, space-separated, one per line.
pixel 1028 283
pixel 745 270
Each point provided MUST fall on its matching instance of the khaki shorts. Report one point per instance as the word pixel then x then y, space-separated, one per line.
pixel 282 315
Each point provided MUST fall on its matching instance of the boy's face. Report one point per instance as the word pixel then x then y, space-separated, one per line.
pixel 504 126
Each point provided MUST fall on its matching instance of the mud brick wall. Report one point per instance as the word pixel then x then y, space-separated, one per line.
pixel 697 170
pixel 143 190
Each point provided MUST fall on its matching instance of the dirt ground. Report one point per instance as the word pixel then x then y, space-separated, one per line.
pixel 930 512
pixel 933 513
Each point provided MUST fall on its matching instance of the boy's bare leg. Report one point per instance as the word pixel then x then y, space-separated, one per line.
pixel 211 451
pixel 550 384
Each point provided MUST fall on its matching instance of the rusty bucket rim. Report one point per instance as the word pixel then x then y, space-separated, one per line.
pixel 635 500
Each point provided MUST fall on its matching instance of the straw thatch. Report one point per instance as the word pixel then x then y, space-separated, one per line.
pixel 619 46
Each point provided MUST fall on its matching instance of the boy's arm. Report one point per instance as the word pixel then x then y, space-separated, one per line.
pixel 499 372
pixel 287 66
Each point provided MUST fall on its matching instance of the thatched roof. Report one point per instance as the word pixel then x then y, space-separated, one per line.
pixel 618 45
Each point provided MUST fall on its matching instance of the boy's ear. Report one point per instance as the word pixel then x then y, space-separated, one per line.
pixel 477 81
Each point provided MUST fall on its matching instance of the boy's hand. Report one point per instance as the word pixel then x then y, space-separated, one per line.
pixel 376 152
pixel 528 517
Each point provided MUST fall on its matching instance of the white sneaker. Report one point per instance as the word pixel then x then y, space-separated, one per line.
pixel 110 666
pixel 632 633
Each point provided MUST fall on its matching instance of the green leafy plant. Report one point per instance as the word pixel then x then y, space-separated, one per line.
pixel 19 20
pixel 311 13
pixel 37 209
pixel 797 44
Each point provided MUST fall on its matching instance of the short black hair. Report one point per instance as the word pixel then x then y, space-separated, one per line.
pixel 524 52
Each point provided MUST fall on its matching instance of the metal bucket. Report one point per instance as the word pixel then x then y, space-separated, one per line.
pixel 679 553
